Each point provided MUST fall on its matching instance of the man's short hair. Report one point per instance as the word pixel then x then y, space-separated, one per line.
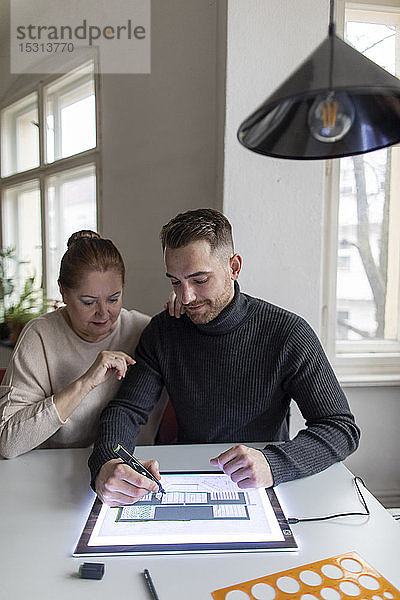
pixel 200 224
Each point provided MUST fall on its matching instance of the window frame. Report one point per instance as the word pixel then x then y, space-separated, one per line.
pixel 42 172
pixel 366 363
pixel 28 101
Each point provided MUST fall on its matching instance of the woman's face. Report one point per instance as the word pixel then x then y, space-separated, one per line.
pixel 93 307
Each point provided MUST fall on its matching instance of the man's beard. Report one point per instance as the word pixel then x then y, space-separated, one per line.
pixel 211 308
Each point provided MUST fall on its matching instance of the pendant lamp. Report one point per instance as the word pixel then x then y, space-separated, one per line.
pixel 337 103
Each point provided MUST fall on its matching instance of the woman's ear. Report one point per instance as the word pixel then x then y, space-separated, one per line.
pixel 61 291
pixel 236 265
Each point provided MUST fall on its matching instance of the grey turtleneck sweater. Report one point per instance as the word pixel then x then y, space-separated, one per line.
pixel 232 380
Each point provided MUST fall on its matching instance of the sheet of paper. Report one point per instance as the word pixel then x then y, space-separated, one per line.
pixel 196 508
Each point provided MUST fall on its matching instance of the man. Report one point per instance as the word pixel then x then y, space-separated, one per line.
pixel 231 365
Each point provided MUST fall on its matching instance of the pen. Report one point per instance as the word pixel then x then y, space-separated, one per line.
pixel 137 466
pixel 150 585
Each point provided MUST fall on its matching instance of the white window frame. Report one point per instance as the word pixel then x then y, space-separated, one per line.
pixel 58 166
pixel 355 363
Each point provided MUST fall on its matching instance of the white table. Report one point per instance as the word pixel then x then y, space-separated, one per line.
pixel 45 499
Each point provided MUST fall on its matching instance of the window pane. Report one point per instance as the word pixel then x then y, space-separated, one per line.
pixel 20 136
pixel 71 206
pixel 22 230
pixel 375 40
pixel 368 243
pixel 70 114
pixel 367 272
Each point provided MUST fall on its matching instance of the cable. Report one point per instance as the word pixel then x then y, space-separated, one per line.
pixel 395 515
pixel 294 520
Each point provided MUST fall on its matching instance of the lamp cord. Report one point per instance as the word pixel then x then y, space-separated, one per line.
pixel 332 27
pixel 293 520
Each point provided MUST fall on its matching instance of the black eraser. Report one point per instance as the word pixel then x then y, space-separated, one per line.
pixel 91 570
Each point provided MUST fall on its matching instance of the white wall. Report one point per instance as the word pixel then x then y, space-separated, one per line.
pixel 276 207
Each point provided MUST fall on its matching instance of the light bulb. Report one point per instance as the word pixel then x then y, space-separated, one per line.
pixel 331 116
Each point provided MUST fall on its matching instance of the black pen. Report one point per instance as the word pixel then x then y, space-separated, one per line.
pixel 150 585
pixel 137 466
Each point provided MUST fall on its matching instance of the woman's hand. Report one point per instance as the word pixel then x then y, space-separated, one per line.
pixel 106 363
pixel 175 308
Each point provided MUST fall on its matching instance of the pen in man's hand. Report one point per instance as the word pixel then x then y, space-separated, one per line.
pixel 150 584
pixel 137 466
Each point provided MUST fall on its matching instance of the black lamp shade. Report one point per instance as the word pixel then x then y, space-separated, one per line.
pixel 279 127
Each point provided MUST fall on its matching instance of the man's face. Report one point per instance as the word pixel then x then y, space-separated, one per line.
pixel 202 280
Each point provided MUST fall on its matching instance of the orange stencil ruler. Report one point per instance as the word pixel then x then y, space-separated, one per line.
pixel 343 577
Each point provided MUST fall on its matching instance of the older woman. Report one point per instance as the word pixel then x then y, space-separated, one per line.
pixel 67 364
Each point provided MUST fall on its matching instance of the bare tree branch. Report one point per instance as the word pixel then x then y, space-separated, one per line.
pixel 376 43
pixel 376 278
pixel 361 332
pixel 384 236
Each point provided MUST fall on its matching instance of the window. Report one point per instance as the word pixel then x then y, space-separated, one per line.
pixel 69 207
pixel 363 274
pixel 344 262
pixel 342 320
pixel 49 164
pixel 70 115
pixel 20 136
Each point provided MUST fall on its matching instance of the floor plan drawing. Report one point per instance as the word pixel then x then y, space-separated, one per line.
pixel 177 505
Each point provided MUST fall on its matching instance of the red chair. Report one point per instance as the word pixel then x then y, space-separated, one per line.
pixel 168 429
pixel 2 372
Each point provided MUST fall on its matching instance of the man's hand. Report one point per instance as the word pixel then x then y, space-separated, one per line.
pixel 247 467
pixel 118 484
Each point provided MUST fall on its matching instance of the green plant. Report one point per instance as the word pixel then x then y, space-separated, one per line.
pixel 6 281
pixel 17 307
pixel 30 304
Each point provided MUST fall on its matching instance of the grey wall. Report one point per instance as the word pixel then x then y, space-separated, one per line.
pixel 377 411
pixel 162 139
pixel 162 136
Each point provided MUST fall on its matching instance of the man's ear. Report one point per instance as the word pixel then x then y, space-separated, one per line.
pixel 235 265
